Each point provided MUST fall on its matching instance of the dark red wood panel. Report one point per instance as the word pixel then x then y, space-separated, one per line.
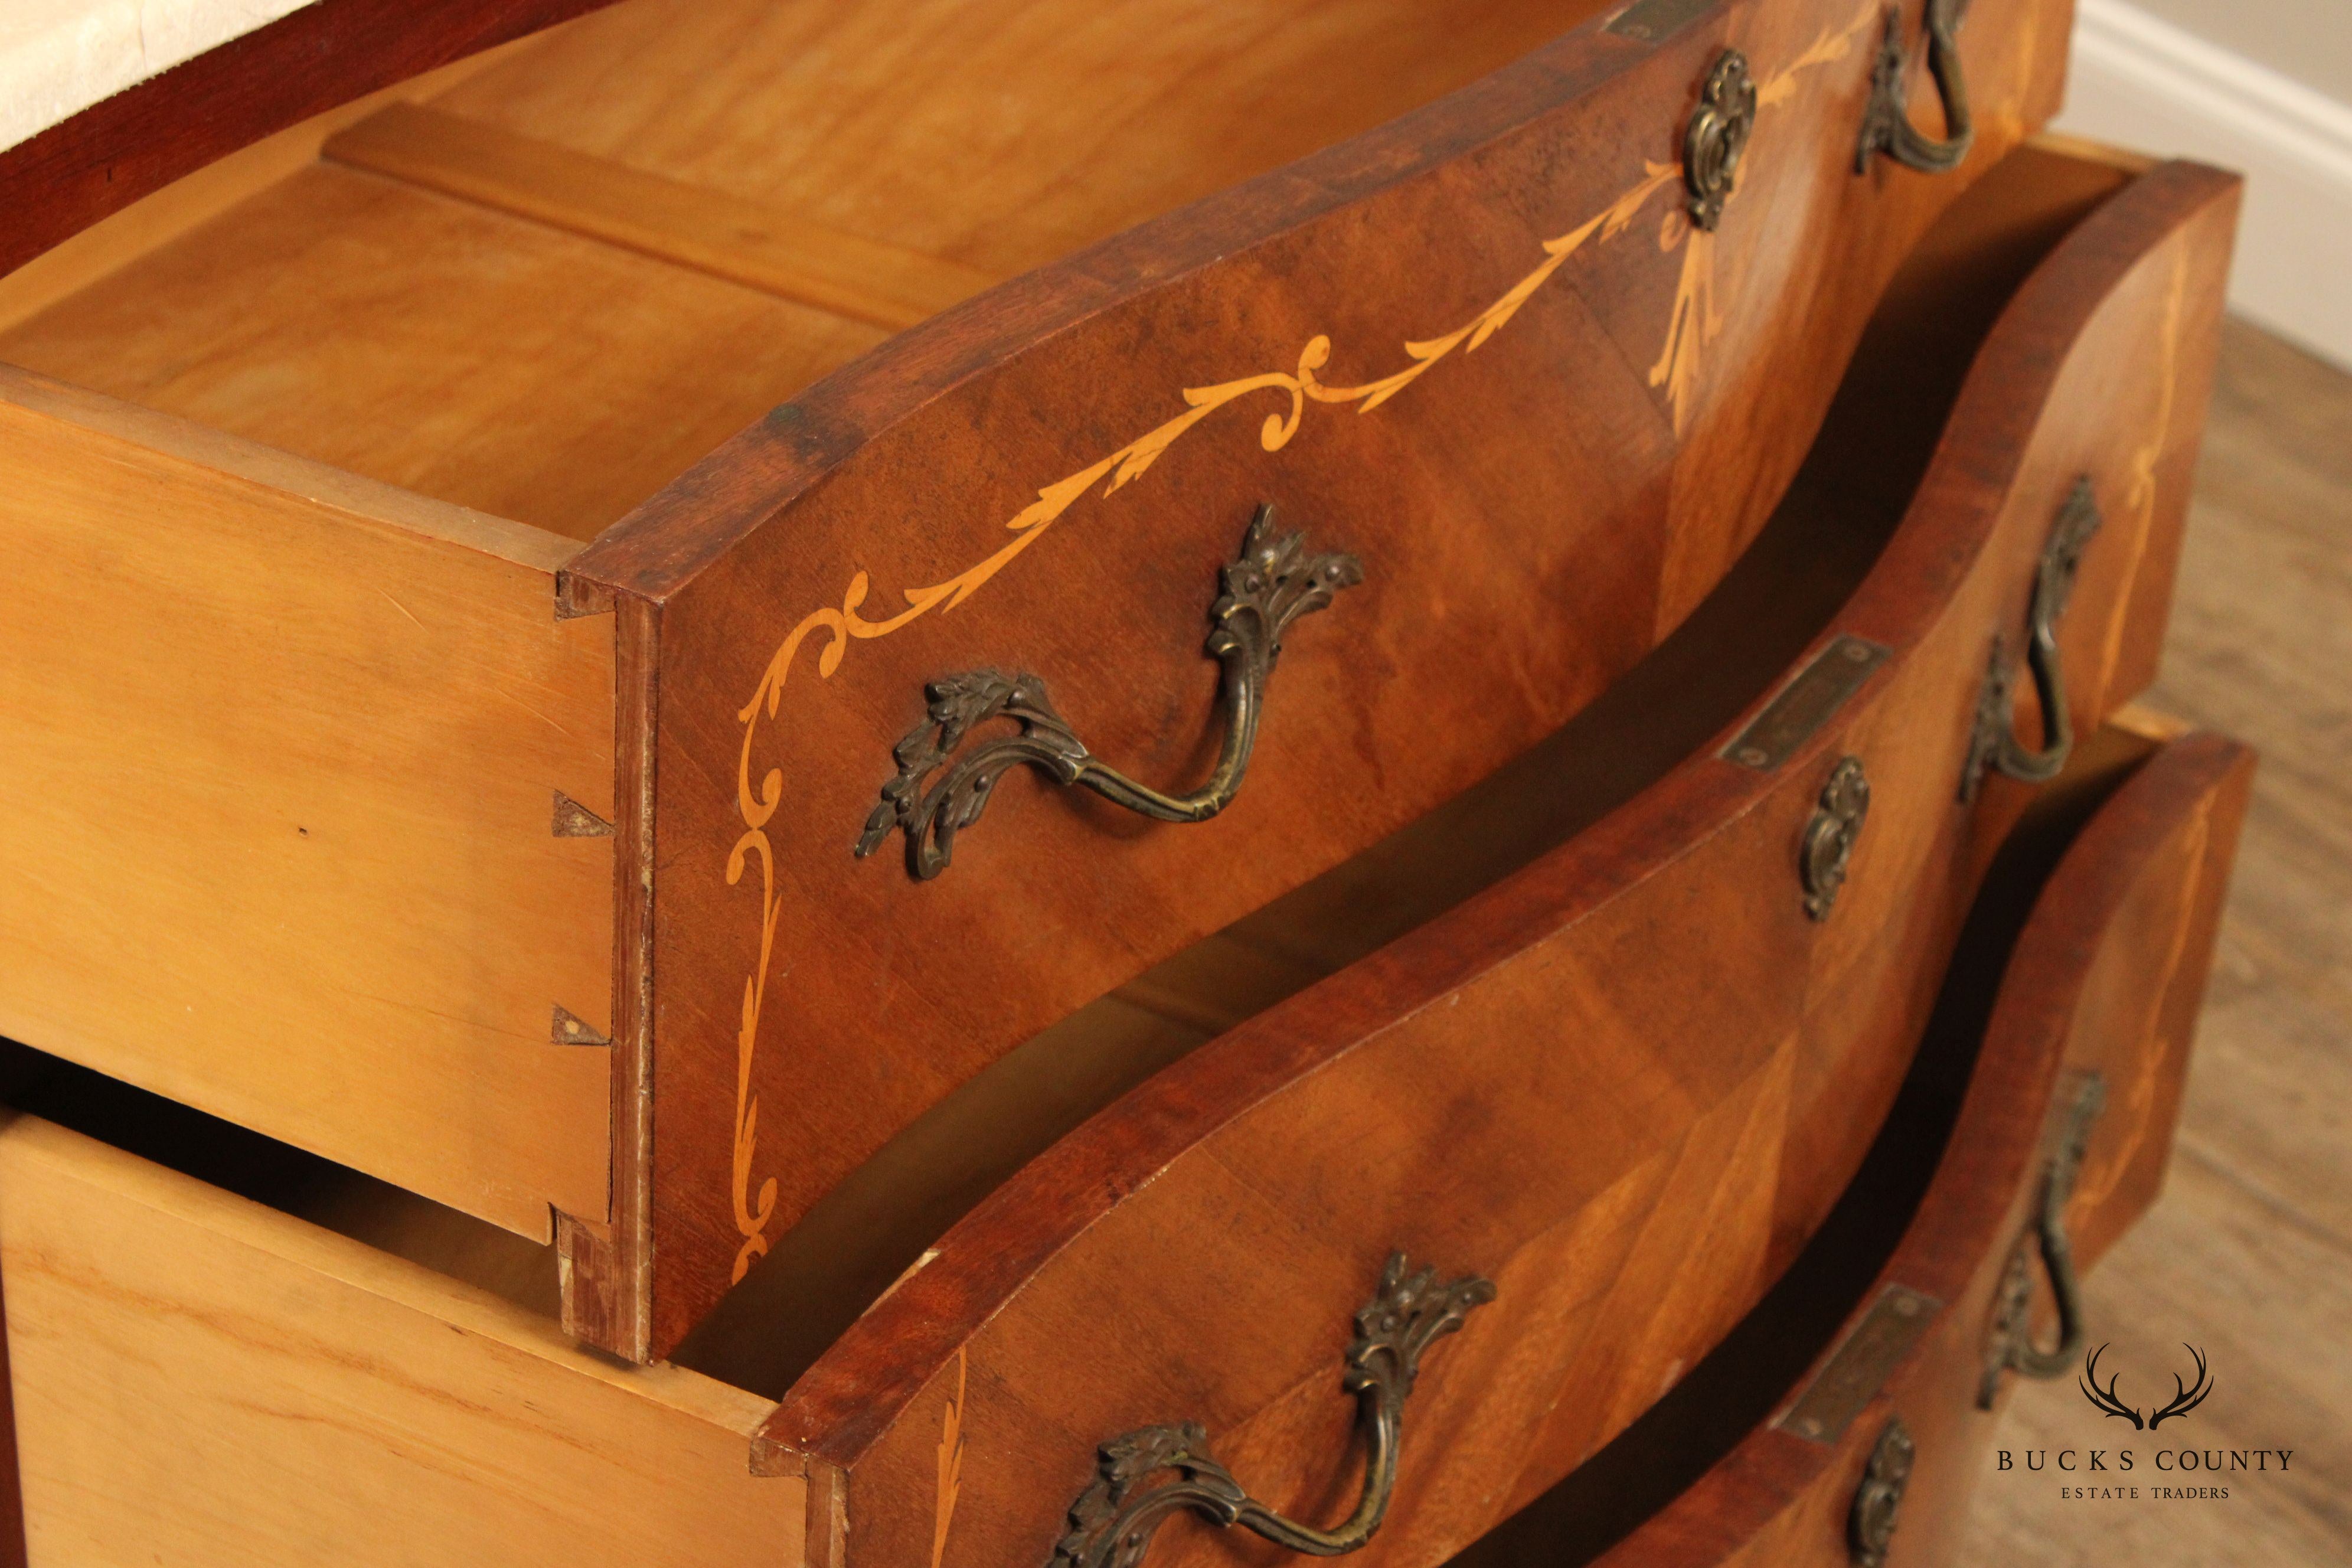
pixel 79 171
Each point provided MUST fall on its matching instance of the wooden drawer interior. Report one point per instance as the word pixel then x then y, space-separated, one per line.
pixel 545 289
pixel 526 318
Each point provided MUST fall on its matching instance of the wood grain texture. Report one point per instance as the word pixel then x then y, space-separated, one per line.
pixel 1663 449
pixel 330 1403
pixel 115 152
pixel 1159 1263
pixel 776 252
pixel 2247 1253
pixel 2107 974
pixel 155 219
pixel 997 135
pixel 439 346
pixel 283 747
pixel 12 1491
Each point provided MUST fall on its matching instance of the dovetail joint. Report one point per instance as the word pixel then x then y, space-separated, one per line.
pixel 571 1029
pixel 573 820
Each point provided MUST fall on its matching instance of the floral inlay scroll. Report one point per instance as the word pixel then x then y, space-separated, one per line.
pixel 1693 322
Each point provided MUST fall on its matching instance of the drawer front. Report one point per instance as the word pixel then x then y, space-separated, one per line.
pixel 2104 989
pixel 1488 353
pixel 1623 1086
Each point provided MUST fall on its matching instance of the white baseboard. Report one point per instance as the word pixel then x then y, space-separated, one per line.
pixel 2144 83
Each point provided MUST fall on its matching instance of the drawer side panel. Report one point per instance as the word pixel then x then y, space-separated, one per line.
pixel 279 809
pixel 204 1381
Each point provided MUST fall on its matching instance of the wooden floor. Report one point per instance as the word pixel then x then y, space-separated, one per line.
pixel 2249 1253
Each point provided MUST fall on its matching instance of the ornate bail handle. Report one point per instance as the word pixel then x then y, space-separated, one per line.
pixel 1886 121
pixel 1994 745
pixel 1113 1521
pixel 1273 582
pixel 2008 1333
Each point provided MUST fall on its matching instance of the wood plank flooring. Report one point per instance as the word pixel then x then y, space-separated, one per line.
pixel 2248 1254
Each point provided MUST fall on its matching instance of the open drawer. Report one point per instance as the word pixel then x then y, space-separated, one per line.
pixel 333 1399
pixel 1622 1082
pixel 435 742
pixel 2072 1090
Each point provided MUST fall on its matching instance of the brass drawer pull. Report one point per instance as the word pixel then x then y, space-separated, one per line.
pixel 1994 744
pixel 1886 122
pixel 2009 1338
pixel 1113 1521
pixel 1273 582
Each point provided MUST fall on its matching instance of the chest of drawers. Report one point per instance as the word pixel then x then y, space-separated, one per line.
pixel 736 884
pixel 545 900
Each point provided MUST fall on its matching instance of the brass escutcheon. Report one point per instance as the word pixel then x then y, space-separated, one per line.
pixel 1718 136
pixel 1870 1525
pixel 1830 836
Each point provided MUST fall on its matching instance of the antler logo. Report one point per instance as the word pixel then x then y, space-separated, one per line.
pixel 2185 1397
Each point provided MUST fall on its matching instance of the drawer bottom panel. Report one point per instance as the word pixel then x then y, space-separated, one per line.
pixel 205 1381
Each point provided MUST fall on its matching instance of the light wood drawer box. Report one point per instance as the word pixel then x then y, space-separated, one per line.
pixel 2072 1088
pixel 1537 1086
pixel 201 1379
pixel 435 736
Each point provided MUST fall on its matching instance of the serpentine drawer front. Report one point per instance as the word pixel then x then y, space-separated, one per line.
pixel 2060 1145
pixel 1541 1088
pixel 349 798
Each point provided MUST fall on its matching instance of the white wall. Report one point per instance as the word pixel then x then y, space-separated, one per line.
pixel 2310 40
pixel 2264 87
